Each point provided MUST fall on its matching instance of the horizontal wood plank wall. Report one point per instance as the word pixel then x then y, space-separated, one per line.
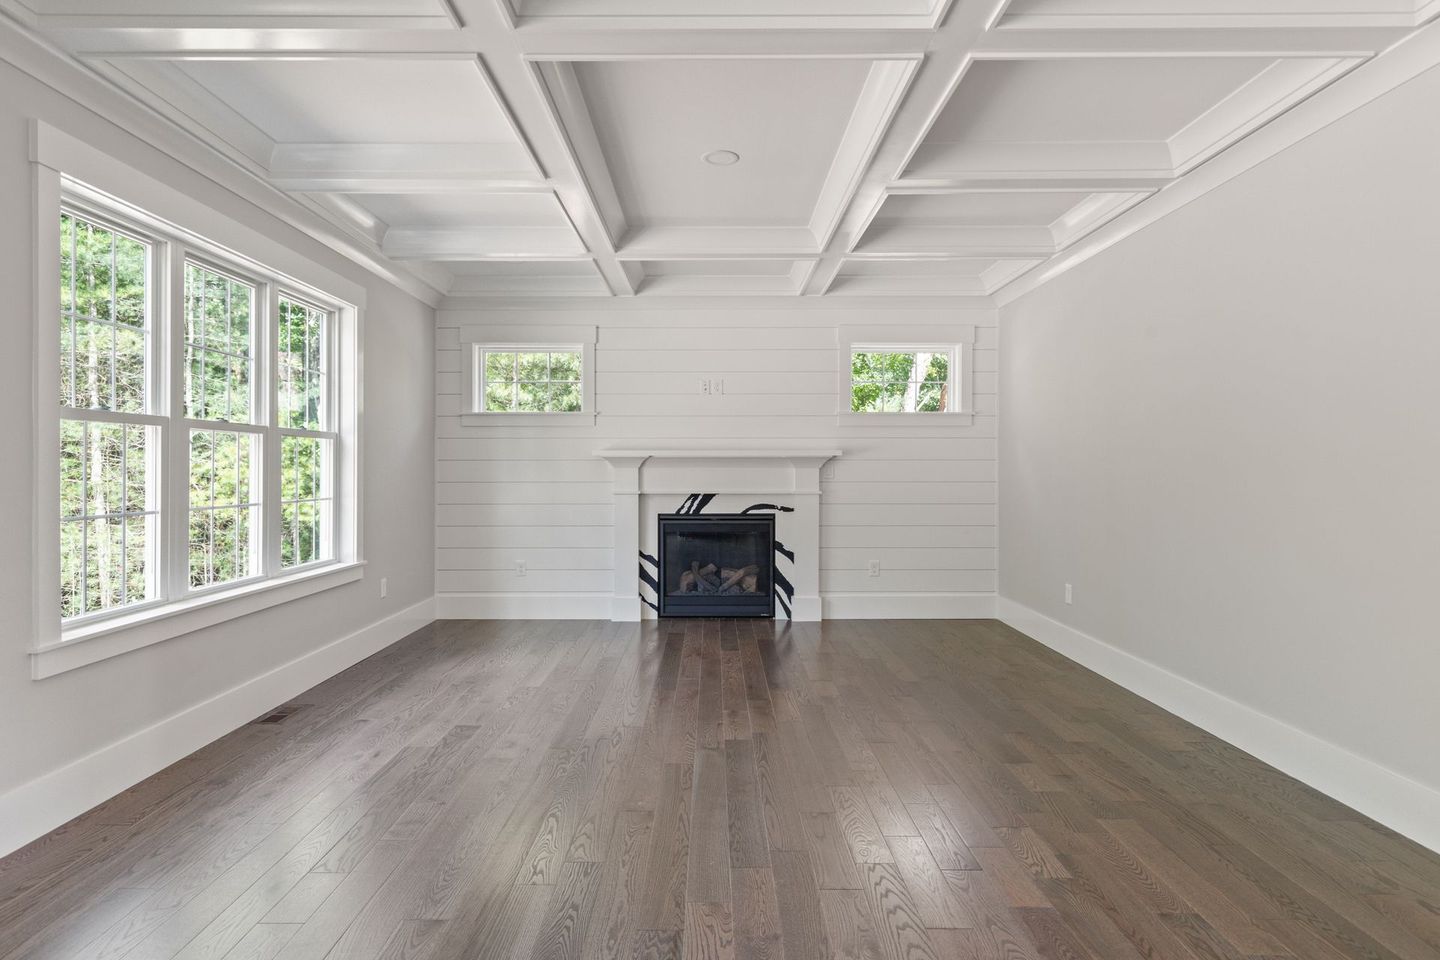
pixel 920 498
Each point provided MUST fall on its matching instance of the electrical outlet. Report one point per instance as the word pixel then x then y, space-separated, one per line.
pixel 384 587
pixel 874 568
pixel 521 568
pixel 827 472
pixel 1069 594
pixel 712 388
pixel 705 386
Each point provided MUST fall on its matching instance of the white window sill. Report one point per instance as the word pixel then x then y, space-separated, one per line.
pixel 92 642
pixel 527 419
pixel 890 421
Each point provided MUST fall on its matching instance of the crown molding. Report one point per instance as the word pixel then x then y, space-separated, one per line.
pixel 1408 59
pixel 36 57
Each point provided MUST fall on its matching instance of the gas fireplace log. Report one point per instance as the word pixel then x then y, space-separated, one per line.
pixel 733 577
pixel 751 584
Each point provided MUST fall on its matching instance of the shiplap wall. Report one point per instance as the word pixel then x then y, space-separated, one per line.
pixel 919 498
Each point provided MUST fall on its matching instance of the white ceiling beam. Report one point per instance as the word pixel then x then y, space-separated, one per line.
pixel 945 62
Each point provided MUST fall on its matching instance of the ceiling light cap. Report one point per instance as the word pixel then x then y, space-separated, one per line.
pixel 721 158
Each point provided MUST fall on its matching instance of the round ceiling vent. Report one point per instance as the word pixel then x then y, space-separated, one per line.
pixel 721 158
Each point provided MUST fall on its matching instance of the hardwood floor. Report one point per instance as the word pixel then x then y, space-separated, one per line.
pixel 720 789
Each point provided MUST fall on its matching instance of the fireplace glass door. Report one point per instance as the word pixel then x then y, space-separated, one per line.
pixel 720 565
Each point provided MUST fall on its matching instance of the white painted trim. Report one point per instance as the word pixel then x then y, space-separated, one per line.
pixel 39 806
pixel 1400 803
pixel 908 606
pixel 477 337
pixel 525 606
pixel 604 606
pixel 39 58
pixel 92 642
pixel 1408 59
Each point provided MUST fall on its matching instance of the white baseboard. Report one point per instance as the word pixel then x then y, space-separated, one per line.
pixel 602 606
pixel 908 606
pixel 524 606
pixel 1380 793
pixel 35 808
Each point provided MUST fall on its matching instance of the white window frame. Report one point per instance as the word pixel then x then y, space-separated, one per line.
pixel 476 339
pixel 69 175
pixel 957 340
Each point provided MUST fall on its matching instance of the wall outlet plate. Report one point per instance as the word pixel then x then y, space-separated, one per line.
pixel 874 568
pixel 1069 593
pixel 521 568
pixel 384 587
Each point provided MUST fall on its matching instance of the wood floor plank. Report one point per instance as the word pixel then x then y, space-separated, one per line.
pixel 857 790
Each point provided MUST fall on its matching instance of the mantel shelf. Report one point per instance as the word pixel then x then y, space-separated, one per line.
pixel 674 453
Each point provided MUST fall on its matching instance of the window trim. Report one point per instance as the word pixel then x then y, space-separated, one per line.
pixel 70 174
pixel 474 339
pixel 959 339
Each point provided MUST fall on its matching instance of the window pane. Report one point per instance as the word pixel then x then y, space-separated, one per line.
pixel 865 397
pixel 533 397
pixel 224 506
pixel 931 398
pixel 108 517
pixel 938 369
pixel 565 398
pixel 534 366
pixel 305 511
pixel 104 318
pixel 217 346
pixel 499 396
pixel 499 367
pixel 866 367
pixel 302 365
pixel 565 366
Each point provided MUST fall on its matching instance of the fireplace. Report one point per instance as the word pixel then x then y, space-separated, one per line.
pixel 716 565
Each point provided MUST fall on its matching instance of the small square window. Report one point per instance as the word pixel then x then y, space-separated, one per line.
pixel 895 380
pixel 530 379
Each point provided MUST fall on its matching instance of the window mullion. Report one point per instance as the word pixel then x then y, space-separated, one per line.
pixel 266 376
pixel 175 445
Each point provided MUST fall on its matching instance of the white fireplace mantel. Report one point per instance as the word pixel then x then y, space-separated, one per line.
pixel 770 472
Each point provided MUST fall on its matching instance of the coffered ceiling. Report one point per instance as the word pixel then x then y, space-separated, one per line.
pixel 721 147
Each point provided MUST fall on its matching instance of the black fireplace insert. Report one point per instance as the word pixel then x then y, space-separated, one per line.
pixel 717 565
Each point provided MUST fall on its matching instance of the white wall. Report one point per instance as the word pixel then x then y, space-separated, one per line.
pixel 46 726
pixel 920 499
pixel 1225 432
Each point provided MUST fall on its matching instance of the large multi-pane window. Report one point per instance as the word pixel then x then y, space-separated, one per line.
pixel 198 443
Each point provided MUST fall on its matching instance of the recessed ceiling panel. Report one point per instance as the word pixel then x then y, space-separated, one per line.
pixel 522 268
pixel 657 121
pixel 917 268
pixel 1251 8
pixel 981 209
pixel 461 210
pixel 526 277
pixel 1088 100
pixel 240 8
pixel 718 268
pixel 358 101
pixel 729 13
